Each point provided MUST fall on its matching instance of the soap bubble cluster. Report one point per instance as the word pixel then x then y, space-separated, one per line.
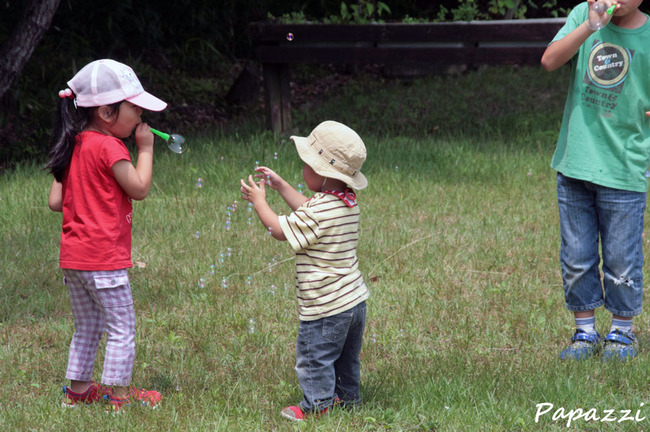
pixel 249 209
pixel 218 271
pixel 229 211
pixel 212 269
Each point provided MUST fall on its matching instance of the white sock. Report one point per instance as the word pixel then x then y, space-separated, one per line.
pixel 588 325
pixel 623 325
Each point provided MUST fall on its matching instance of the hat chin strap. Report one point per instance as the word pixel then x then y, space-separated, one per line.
pixel 322 187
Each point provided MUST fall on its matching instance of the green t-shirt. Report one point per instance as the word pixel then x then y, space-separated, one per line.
pixel 605 135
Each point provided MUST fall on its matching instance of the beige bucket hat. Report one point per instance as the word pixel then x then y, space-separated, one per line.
pixel 334 150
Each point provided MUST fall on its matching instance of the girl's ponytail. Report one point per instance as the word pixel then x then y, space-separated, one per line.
pixel 68 123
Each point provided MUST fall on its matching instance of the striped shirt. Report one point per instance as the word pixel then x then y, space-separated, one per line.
pixel 324 233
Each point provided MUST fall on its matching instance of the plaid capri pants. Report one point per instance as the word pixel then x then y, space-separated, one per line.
pixel 101 302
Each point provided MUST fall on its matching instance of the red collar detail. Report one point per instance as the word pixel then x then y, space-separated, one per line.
pixel 347 196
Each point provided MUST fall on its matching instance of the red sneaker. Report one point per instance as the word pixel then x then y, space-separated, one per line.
pixel 293 413
pixel 296 414
pixel 151 398
pixel 95 393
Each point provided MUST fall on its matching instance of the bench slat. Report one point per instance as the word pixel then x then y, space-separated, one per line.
pixel 389 55
pixel 466 31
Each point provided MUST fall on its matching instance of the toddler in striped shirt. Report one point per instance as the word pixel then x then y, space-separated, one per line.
pixel 323 231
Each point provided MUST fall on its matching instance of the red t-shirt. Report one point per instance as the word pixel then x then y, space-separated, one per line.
pixel 96 212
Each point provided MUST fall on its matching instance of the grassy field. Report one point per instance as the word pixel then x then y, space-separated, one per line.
pixel 459 246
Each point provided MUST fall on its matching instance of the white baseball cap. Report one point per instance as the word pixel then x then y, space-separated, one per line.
pixel 105 82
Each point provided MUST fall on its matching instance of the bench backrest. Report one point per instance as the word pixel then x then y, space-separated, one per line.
pixel 475 42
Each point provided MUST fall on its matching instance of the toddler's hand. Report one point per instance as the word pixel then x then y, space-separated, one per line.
pixel 143 137
pixel 270 177
pixel 252 192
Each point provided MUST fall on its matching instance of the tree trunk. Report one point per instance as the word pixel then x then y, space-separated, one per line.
pixel 16 51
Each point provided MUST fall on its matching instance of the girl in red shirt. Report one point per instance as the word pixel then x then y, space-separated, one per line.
pixel 94 183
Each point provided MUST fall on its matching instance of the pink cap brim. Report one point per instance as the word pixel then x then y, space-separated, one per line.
pixel 148 101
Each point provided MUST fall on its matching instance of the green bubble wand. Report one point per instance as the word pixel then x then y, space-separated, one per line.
pixel 175 142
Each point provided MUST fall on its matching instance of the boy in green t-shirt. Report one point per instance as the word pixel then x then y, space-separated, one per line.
pixel 602 156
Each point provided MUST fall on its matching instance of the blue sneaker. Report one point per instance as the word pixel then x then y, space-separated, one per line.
pixel 620 345
pixel 583 345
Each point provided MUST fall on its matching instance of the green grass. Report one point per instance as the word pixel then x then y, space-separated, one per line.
pixel 459 247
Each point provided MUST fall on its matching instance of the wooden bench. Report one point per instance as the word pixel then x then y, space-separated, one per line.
pixel 504 42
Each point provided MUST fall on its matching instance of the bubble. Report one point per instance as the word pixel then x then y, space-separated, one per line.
pixel 224 283
pixel 270 230
pixel 250 207
pixel 175 143
pixel 301 187
pixel 222 257
pixel 199 183
pixel 250 220
pixel 275 155
pixel 249 280
pixel 251 325
pixel 596 7
pixel 197 234
pixel 396 168
pixel 290 37
pixel 374 338
pixel 201 283
pixel 273 289
pixel 212 268
pixel 600 17
pixel 229 251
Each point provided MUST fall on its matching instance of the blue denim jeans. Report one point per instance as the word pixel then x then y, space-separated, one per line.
pixel 589 212
pixel 327 359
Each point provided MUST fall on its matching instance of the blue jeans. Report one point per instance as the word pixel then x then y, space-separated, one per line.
pixel 589 212
pixel 327 359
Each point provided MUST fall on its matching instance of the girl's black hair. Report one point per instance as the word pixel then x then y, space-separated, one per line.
pixel 68 124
